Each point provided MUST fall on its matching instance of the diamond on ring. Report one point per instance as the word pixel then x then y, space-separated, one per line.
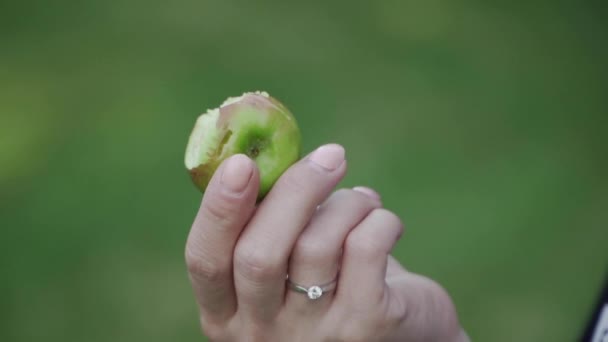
pixel 313 292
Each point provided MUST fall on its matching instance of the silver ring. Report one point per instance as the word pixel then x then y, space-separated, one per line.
pixel 315 291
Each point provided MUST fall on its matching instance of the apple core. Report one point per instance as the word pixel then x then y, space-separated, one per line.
pixel 254 124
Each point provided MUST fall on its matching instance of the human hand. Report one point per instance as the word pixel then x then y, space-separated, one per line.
pixel 238 256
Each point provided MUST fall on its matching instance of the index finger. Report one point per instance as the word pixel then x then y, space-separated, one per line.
pixel 228 203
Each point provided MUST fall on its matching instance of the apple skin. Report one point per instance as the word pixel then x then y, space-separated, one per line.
pixel 254 124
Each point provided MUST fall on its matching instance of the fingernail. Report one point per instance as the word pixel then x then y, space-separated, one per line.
pixel 367 191
pixel 328 156
pixel 236 173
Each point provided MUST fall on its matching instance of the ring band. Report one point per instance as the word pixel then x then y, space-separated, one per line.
pixel 313 292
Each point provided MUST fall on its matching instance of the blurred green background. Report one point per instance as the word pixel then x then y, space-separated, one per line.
pixel 482 124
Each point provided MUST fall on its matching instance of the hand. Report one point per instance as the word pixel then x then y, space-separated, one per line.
pixel 238 256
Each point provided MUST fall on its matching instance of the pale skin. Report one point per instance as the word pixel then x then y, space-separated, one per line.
pixel 239 253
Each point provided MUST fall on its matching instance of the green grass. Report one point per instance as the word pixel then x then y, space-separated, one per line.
pixel 482 125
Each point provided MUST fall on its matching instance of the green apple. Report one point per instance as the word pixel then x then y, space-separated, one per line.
pixel 254 124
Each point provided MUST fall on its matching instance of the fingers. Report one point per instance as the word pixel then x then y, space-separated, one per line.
pixel 369 192
pixel 263 249
pixel 227 205
pixel 317 252
pixel 364 263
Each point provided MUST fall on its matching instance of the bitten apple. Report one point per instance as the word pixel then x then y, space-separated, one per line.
pixel 254 124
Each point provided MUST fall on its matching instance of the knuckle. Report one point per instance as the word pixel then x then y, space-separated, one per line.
pixel 362 204
pixel 293 183
pixel 353 202
pixel 388 218
pixel 396 313
pixel 363 197
pixel 342 194
pixel 360 244
pixel 202 267
pixel 220 212
pixel 355 199
pixel 213 331
pixel 311 251
pixel 255 264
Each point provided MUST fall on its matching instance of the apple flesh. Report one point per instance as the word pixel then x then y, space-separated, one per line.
pixel 254 124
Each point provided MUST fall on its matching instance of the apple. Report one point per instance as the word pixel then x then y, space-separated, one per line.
pixel 254 124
